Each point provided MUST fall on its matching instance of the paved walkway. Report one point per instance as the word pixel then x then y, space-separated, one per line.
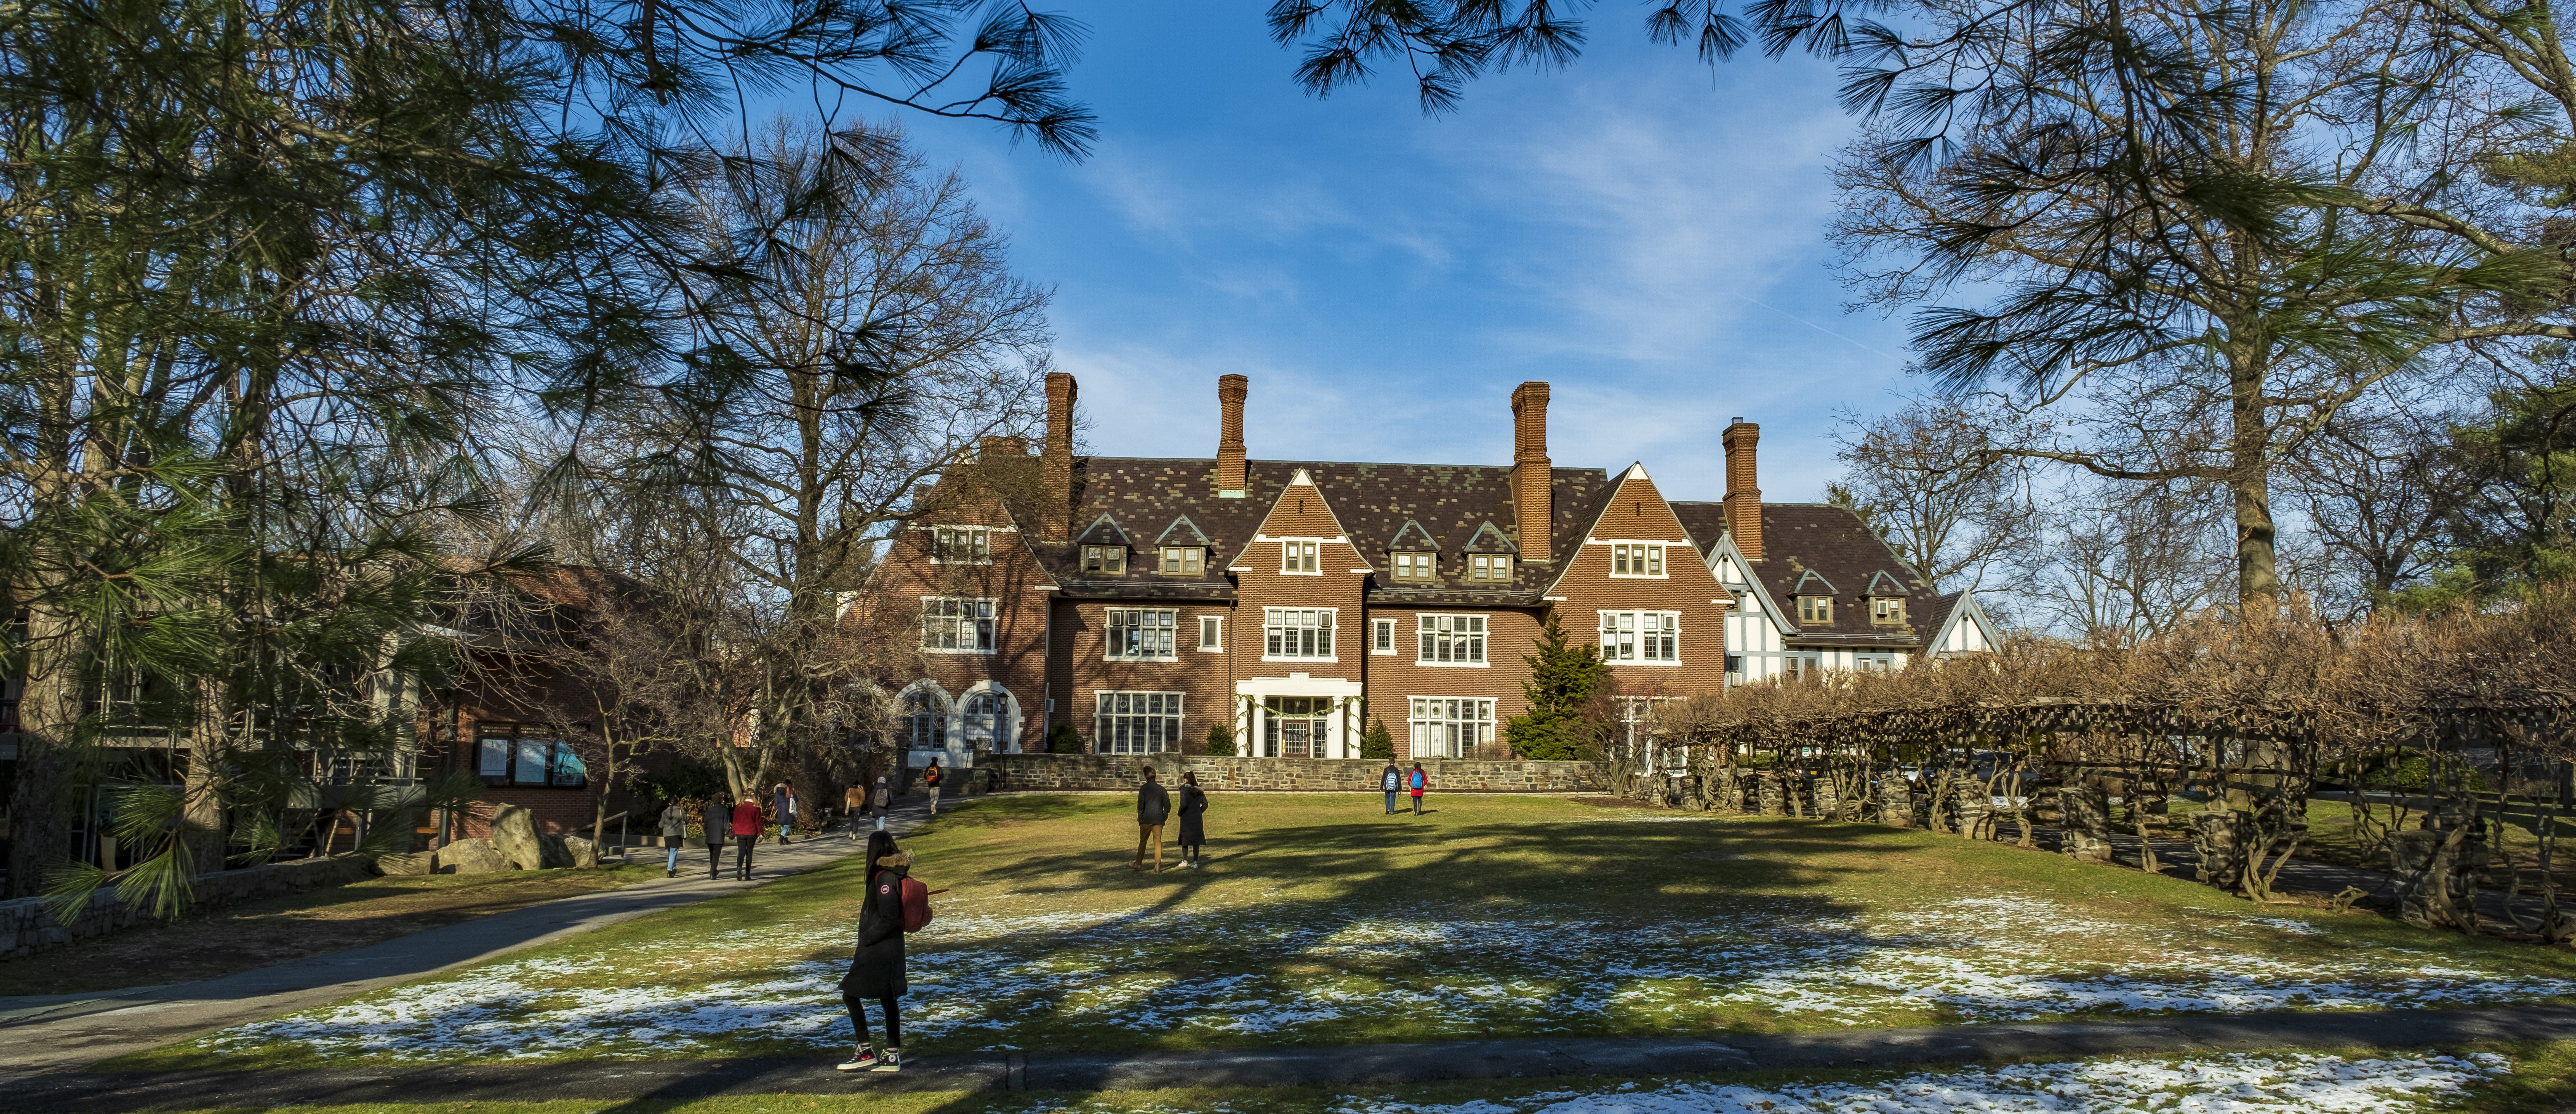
pixel 613 1081
pixel 56 1033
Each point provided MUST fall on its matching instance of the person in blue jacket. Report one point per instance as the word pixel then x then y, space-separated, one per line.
pixel 1391 780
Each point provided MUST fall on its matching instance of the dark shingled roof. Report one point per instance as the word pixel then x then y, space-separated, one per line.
pixel 1831 542
pixel 1452 503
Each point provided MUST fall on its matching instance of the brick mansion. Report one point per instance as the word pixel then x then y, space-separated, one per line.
pixel 1143 600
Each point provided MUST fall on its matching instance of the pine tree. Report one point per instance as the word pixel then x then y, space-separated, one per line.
pixel 1377 743
pixel 1220 741
pixel 1563 678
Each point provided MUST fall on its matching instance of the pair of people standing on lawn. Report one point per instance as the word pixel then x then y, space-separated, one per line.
pixel 1154 806
pixel 1395 781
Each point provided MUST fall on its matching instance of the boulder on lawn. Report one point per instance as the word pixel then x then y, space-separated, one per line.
pixel 514 835
pixel 557 855
pixel 407 862
pixel 471 856
pixel 585 854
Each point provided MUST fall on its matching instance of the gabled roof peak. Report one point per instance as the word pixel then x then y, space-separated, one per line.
pixel 1182 531
pixel 1813 583
pixel 1301 479
pixel 1883 583
pixel 1103 530
pixel 1637 471
pixel 1489 539
pixel 1412 538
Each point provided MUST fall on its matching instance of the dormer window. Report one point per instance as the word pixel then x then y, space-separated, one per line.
pixel 1106 559
pixel 1815 609
pixel 961 545
pixel 1183 560
pixel 1489 568
pixel 1417 566
pixel 1300 557
pixel 1886 611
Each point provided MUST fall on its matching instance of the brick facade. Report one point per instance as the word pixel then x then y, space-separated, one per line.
pixel 1240 536
pixel 1122 773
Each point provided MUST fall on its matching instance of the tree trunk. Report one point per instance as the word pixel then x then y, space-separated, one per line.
pixel 2249 480
pixel 49 713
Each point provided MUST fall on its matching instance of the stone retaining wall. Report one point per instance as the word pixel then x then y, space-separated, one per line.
pixel 27 926
pixel 1028 772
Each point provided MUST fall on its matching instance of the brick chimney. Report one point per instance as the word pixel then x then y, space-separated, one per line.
pixel 1533 489
pixel 1002 447
pixel 1055 515
pixel 1743 492
pixel 1230 471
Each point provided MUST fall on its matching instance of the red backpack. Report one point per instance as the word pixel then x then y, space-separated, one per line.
pixel 916 906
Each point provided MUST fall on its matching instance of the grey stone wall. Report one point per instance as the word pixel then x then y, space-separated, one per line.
pixel 27 926
pixel 1038 772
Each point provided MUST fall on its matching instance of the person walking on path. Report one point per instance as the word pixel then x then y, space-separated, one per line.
pixel 1153 806
pixel 746 832
pixel 876 967
pixel 1419 781
pixel 675 831
pixel 1194 801
pixel 930 777
pixel 783 800
pixel 1391 780
pixel 715 819
pixel 885 799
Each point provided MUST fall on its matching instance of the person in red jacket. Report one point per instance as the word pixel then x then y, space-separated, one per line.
pixel 1419 781
pixel 746 832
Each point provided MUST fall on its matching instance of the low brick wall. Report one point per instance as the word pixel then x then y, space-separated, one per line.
pixel 1037 772
pixel 27 926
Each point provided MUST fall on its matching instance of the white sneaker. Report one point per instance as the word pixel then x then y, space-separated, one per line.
pixel 864 1059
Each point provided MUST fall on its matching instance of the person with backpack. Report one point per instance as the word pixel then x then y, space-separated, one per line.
pixel 715 818
pixel 1419 781
pixel 1194 801
pixel 894 905
pixel 884 798
pixel 1391 780
pixel 1153 806
pixel 783 805
pixel 930 777
pixel 675 831
pixel 746 832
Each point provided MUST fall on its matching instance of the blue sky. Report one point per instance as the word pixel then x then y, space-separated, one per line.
pixel 1643 233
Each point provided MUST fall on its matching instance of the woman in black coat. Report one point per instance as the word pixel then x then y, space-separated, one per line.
pixel 715 816
pixel 876 970
pixel 1194 801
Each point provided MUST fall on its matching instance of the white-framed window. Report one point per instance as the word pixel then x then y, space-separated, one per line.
pixel 1641 636
pixel 1184 560
pixel 1301 557
pixel 1110 559
pixel 1212 633
pixel 1489 568
pixel 1887 609
pixel 1297 633
pixel 987 720
pixel 1142 633
pixel 1451 726
pixel 1815 609
pixel 1451 639
pixel 1137 722
pixel 1381 636
pixel 956 625
pixel 1416 566
pixel 961 545
pixel 925 721
pixel 1636 559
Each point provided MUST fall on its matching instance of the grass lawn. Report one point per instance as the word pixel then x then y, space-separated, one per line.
pixel 1321 921
pixel 238 937
pixel 2526 1078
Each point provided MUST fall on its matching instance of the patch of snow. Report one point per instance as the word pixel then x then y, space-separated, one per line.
pixel 2227 1084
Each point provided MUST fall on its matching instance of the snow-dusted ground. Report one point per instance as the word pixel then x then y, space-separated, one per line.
pixel 1013 982
pixel 2232 1084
